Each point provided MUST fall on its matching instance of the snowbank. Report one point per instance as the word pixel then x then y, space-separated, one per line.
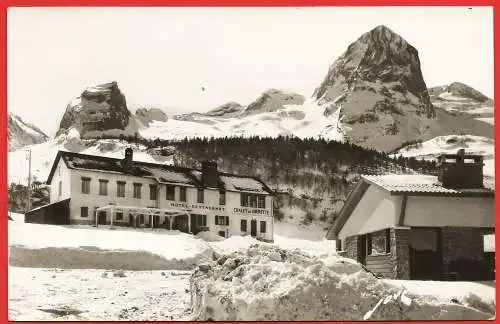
pixel 269 283
pixel 210 236
pixel 34 245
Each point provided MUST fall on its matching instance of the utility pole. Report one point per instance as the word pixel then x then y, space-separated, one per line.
pixel 28 157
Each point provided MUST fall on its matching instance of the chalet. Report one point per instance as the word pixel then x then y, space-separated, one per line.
pixel 421 227
pixel 95 190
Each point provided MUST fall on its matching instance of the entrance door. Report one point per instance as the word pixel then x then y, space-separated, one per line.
pixel 426 261
pixel 253 227
pixel 197 222
pixel 102 218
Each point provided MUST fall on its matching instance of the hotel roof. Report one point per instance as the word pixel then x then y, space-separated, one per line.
pixel 160 172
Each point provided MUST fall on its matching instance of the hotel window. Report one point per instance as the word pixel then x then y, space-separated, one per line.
pixel 200 195
pixel 243 225
pixel 261 201
pixel 183 195
pixel 137 190
pixel 152 192
pixel 222 220
pixel 60 188
pixel 103 187
pixel 119 216
pixel 170 192
pixel 378 242
pixel 120 188
pixel 254 201
pixel 84 212
pixel 262 226
pixel 222 197
pixel 85 185
pixel 141 218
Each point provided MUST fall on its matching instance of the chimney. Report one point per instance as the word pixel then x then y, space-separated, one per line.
pixel 460 171
pixel 127 161
pixel 209 176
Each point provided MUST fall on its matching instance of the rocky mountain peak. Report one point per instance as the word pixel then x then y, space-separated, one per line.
pixel 21 133
pixel 99 108
pixel 379 56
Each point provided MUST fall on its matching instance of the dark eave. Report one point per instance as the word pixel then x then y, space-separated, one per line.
pixel 348 207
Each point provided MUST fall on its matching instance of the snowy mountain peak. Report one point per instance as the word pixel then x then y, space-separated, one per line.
pixel 21 133
pixel 273 100
pixel 459 91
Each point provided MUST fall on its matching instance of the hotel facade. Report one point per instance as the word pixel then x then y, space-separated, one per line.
pixel 97 190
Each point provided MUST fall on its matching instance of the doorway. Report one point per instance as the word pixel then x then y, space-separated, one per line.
pixel 426 260
pixel 253 228
pixel 197 222
pixel 101 218
pixel 362 249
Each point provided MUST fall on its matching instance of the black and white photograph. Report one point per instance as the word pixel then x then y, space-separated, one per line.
pixel 250 163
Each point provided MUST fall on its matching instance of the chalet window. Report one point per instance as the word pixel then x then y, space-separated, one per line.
pixel 152 192
pixel 222 220
pixel 222 197
pixel 119 216
pixel 200 195
pixel 378 242
pixel 261 202
pixel 262 226
pixel 60 188
pixel 183 195
pixel 254 201
pixel 243 225
pixel 84 212
pixel 170 192
pixel 103 187
pixel 85 185
pixel 120 188
pixel 137 191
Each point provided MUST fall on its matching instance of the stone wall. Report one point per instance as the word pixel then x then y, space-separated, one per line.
pixel 351 247
pixel 464 243
pixel 400 252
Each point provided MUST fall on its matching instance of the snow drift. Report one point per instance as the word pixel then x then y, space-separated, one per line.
pixel 33 245
pixel 266 283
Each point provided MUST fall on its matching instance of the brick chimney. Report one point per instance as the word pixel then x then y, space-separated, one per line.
pixel 209 176
pixel 460 171
pixel 127 161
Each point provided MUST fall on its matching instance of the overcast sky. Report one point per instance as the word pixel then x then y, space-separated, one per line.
pixel 163 56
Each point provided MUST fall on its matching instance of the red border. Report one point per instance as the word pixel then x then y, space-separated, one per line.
pixel 218 3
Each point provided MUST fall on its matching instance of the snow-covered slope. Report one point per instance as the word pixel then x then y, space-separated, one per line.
pixel 21 133
pixel 461 98
pixel 450 144
pixel 306 120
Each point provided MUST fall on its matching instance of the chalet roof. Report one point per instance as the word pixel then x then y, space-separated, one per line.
pixel 160 172
pixel 404 184
pixel 423 184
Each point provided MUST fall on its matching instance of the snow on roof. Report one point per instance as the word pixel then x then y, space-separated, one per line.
pixel 161 172
pixel 243 184
pixel 417 183
pixel 169 176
